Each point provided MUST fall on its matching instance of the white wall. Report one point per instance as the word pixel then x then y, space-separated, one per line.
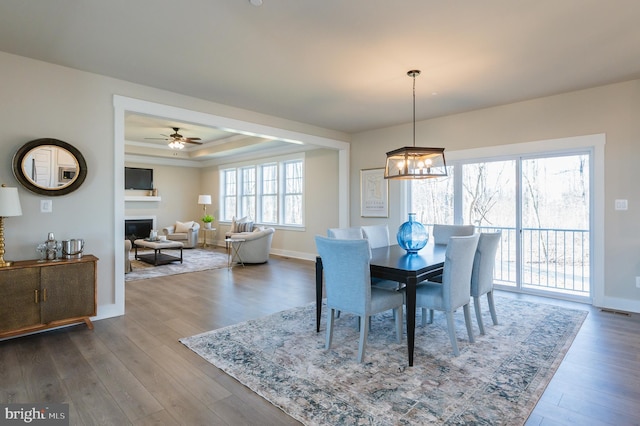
pixel 612 110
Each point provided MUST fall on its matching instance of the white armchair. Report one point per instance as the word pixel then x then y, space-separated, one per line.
pixel 256 245
pixel 184 232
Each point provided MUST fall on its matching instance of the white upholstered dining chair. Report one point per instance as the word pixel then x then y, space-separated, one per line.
pixel 354 233
pixel 442 233
pixel 377 235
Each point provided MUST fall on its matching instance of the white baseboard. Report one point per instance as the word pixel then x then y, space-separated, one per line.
pixel 618 304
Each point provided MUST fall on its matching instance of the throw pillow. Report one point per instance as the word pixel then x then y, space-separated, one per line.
pixel 235 222
pixel 182 228
pixel 245 227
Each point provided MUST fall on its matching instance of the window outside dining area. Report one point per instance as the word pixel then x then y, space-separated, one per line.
pixel 540 203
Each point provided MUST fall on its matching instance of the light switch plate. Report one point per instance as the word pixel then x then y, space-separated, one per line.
pixel 46 206
pixel 621 205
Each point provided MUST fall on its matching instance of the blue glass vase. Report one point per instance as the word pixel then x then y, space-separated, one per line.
pixel 412 235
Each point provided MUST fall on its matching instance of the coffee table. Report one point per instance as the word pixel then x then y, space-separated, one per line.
pixel 158 258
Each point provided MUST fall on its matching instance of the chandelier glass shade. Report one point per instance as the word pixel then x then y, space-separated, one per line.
pixel 175 144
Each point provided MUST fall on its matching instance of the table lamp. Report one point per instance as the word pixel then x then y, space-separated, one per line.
pixel 9 206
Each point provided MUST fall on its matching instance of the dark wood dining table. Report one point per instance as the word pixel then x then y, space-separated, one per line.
pixel 393 263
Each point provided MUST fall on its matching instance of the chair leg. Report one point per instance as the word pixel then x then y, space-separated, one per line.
pixel 359 322
pixel 467 321
pixel 364 330
pixel 427 319
pixel 476 306
pixel 492 307
pixel 452 333
pixel 329 328
pixel 398 316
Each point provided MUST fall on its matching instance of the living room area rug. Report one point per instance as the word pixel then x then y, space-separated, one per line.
pixel 496 380
pixel 193 260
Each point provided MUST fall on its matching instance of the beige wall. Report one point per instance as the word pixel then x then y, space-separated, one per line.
pixel 612 110
pixel 45 100
pixel 178 188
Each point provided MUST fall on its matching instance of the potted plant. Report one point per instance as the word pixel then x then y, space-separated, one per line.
pixel 207 219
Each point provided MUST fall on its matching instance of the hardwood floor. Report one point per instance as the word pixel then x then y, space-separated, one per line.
pixel 132 370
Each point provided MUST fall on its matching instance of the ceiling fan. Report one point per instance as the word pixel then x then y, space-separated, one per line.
pixel 176 140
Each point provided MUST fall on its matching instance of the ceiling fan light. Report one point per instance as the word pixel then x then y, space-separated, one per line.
pixel 176 145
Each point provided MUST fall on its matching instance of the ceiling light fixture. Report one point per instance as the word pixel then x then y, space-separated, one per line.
pixel 256 3
pixel 175 144
pixel 415 162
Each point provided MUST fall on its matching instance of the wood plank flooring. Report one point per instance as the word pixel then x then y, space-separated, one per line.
pixel 132 370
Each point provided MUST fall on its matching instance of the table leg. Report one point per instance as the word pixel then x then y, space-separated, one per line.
pixel 318 292
pixel 411 316
pixel 235 246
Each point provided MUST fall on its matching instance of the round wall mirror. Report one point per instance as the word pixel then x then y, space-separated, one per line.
pixel 49 167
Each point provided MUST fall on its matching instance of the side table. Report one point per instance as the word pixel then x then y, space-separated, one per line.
pixel 205 231
pixel 233 245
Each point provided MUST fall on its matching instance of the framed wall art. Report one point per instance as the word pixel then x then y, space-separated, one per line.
pixel 374 193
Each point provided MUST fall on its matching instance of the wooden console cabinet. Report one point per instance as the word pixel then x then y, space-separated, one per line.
pixel 39 295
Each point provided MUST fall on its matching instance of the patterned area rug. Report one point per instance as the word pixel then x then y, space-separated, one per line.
pixel 496 380
pixel 193 260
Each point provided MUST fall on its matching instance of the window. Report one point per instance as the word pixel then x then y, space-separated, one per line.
pixel 248 192
pixel 229 194
pixel 270 193
pixel 293 193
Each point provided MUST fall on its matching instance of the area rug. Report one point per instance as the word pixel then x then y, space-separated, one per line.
pixel 496 380
pixel 193 260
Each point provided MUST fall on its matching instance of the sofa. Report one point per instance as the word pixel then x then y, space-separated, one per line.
pixel 256 245
pixel 184 232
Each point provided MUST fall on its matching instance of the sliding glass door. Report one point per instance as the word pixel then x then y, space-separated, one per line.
pixel 540 204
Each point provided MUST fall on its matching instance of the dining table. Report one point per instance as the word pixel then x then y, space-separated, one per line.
pixel 395 264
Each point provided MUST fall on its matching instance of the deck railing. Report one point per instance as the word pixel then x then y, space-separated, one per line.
pixel 552 259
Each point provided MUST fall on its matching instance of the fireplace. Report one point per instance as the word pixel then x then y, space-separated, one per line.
pixel 138 228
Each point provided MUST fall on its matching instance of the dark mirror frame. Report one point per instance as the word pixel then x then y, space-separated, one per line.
pixel 18 171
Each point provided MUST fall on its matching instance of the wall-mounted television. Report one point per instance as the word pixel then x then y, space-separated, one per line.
pixel 138 178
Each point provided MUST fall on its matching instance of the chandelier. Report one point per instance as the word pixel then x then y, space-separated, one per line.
pixel 415 162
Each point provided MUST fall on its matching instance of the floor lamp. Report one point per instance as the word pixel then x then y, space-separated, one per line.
pixel 9 206
pixel 205 200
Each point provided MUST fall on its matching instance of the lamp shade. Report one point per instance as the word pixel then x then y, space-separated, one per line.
pixel 9 202
pixel 204 199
